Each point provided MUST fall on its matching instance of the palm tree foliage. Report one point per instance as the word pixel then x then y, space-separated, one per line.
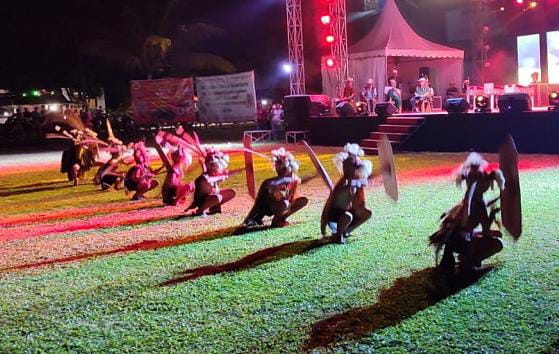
pixel 141 41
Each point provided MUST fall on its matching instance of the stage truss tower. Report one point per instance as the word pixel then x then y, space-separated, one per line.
pixel 338 13
pixel 295 45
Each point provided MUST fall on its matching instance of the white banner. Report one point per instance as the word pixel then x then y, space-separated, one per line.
pixel 226 98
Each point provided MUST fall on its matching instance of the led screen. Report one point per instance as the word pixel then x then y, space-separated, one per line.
pixel 553 57
pixel 528 58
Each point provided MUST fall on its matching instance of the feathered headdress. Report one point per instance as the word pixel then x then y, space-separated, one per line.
pixel 70 119
pixel 473 160
pixel 213 155
pixel 364 167
pixel 285 159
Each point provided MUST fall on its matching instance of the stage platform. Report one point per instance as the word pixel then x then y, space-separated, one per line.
pixel 534 132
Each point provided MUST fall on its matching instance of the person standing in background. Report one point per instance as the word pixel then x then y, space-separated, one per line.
pixel 276 121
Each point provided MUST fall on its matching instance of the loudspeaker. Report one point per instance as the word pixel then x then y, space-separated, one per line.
pixel 297 111
pixel 456 105
pixel 345 109
pixel 385 109
pixel 514 103
pixel 320 105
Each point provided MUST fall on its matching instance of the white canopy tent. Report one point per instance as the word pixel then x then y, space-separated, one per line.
pixel 392 42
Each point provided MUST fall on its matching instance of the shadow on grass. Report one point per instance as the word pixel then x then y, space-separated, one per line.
pixel 34 185
pixel 406 297
pixel 252 260
pixel 34 190
pixel 148 245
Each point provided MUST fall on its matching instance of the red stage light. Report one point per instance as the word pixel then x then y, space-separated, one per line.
pixel 520 2
pixel 330 38
pixel 330 62
pixel 326 19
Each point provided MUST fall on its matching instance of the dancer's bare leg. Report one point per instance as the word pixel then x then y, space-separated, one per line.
pixel 359 218
pixel 342 224
pixel 280 218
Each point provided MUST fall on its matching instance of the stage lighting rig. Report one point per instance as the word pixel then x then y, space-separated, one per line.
pixel 482 104
pixel 326 19
pixel 362 108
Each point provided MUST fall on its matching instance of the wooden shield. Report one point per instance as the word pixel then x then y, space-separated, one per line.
pixel 387 167
pixel 319 167
pixel 249 167
pixel 511 210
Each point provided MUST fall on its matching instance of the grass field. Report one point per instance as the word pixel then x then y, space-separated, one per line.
pixel 88 271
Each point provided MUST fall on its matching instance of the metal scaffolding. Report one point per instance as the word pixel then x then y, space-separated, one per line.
pixel 338 14
pixel 480 39
pixel 295 45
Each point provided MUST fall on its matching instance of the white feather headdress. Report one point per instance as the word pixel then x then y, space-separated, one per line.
pixel 473 159
pixel 365 168
pixel 286 159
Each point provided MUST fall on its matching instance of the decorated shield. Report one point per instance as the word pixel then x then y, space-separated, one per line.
pixel 511 210
pixel 319 167
pixel 249 166
pixel 387 167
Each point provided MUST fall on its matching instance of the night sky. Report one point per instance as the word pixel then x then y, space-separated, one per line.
pixel 41 40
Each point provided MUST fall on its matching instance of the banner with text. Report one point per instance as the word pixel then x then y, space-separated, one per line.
pixel 163 101
pixel 226 98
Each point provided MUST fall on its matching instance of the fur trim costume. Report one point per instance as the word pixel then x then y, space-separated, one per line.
pixel 457 233
pixel 277 196
pixel 345 208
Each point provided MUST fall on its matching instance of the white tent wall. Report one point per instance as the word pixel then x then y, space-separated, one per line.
pixel 363 69
pixel 329 81
pixel 392 41
pixel 442 72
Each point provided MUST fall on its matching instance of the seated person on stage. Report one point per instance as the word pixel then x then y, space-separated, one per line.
pixel 348 94
pixel 423 92
pixel 394 94
pixel 396 77
pixel 369 94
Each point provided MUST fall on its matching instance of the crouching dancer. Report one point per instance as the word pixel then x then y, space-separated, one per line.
pixel 458 233
pixel 107 175
pixel 208 196
pixel 277 196
pixel 139 177
pixel 174 191
pixel 345 208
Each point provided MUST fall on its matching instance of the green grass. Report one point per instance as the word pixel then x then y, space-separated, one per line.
pixel 376 289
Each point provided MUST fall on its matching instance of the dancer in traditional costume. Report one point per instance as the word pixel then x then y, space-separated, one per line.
pixel 140 177
pixel 277 196
pixel 208 196
pixel 345 208
pixel 82 155
pixel 466 230
pixel 174 190
pixel 107 175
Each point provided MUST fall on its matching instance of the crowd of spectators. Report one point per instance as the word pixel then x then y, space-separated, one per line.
pixel 29 125
pixel 271 118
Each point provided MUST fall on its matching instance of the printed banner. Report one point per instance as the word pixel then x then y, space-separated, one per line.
pixel 163 101
pixel 226 98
